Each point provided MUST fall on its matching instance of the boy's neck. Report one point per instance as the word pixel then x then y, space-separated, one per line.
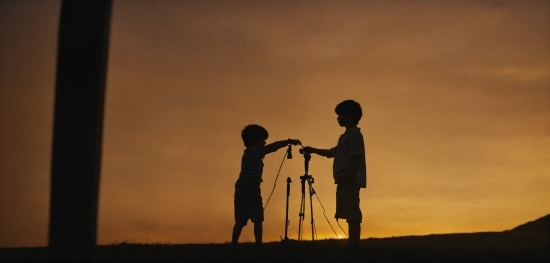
pixel 351 126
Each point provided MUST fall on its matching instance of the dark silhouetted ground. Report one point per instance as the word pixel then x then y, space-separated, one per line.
pixel 529 242
pixel 475 247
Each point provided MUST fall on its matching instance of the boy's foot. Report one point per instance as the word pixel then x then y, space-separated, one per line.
pixel 258 251
pixel 233 252
pixel 235 248
pixel 352 246
pixel 353 252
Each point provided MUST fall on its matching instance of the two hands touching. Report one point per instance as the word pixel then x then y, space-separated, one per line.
pixel 322 152
pixel 309 149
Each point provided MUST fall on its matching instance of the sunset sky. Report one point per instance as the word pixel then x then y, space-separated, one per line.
pixel 455 97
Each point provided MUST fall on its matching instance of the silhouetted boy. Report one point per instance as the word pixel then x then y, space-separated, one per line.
pixel 248 198
pixel 349 168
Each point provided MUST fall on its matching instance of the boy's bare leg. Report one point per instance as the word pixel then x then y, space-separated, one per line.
pixel 236 233
pixel 258 229
pixel 354 233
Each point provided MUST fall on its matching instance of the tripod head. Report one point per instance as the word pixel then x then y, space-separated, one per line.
pixel 306 154
pixel 307 157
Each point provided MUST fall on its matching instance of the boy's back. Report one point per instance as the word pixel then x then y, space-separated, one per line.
pixel 251 166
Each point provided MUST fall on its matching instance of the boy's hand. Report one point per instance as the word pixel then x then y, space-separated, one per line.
pixel 323 152
pixel 294 141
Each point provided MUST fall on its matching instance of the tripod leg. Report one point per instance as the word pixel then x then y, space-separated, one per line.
pixel 311 207
pixel 302 208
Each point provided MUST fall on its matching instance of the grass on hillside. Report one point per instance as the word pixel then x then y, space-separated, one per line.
pixel 475 247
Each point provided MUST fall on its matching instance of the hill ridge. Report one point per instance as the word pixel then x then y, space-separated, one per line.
pixel 539 225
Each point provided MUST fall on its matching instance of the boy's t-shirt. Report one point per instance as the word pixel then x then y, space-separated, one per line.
pixel 350 144
pixel 252 165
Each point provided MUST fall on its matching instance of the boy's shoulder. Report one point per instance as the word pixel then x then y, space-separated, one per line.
pixel 353 133
pixel 354 130
pixel 254 149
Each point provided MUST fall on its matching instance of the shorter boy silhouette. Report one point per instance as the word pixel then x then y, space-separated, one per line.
pixel 248 199
pixel 349 168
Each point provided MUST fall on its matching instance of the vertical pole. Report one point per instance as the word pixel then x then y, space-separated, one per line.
pixel 78 125
pixel 288 181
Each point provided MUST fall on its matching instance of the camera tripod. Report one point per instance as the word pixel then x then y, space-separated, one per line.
pixel 304 178
pixel 309 179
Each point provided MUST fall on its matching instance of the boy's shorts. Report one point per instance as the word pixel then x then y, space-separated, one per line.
pixel 248 204
pixel 347 201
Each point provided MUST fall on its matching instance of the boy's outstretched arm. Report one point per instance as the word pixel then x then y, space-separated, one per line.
pixel 323 152
pixel 272 147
